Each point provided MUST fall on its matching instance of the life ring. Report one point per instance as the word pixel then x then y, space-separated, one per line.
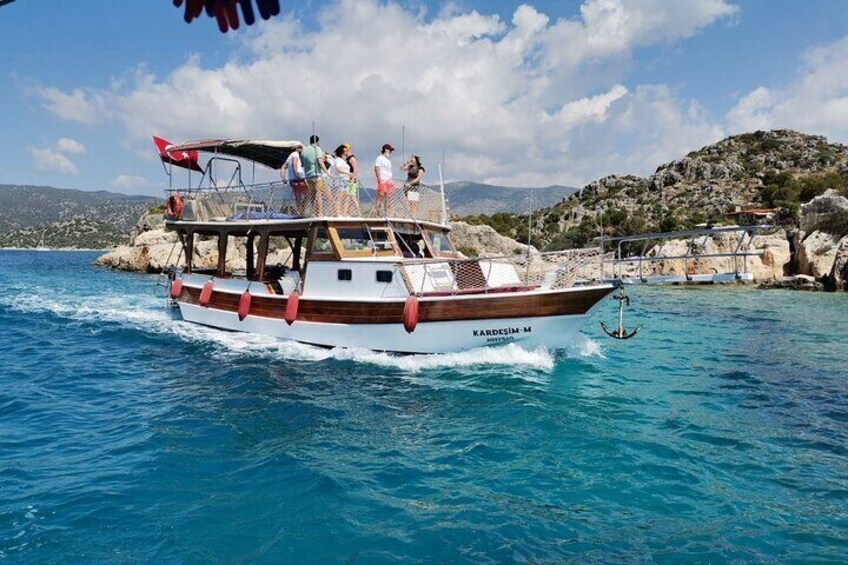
pixel 410 314
pixel 244 305
pixel 174 206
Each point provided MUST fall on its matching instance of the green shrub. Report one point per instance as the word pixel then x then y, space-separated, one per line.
pixel 669 223
pixel 814 185
pixel 834 224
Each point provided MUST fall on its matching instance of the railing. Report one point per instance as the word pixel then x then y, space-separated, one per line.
pixel 322 197
pixel 726 247
pixel 546 271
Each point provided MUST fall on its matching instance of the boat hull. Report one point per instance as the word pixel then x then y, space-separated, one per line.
pixel 549 319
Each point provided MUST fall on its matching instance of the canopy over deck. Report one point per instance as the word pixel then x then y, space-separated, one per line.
pixel 271 153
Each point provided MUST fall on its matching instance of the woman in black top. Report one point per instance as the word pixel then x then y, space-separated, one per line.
pixel 414 174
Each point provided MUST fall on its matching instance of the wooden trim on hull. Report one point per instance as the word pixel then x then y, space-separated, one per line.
pixel 488 307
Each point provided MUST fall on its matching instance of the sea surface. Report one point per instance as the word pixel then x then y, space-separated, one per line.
pixel 718 434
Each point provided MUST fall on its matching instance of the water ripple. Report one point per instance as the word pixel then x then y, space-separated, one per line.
pixel 716 435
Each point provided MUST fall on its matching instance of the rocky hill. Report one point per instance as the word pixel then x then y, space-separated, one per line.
pixel 777 170
pixel 77 233
pixel 33 216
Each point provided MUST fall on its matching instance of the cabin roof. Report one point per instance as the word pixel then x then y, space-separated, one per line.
pixel 271 153
pixel 244 226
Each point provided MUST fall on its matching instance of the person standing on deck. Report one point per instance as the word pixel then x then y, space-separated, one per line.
pixel 354 180
pixel 292 173
pixel 414 173
pixel 385 184
pixel 340 180
pixel 315 169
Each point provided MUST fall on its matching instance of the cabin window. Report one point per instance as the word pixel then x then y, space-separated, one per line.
pixel 321 242
pixel 345 275
pixel 384 276
pixel 354 239
pixel 382 241
pixel 439 242
pixel 411 244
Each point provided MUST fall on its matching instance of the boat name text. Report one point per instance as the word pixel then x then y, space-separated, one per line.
pixel 502 331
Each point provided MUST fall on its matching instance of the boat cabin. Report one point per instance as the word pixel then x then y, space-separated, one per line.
pixel 336 255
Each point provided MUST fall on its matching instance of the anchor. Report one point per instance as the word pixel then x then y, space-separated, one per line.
pixel 619 332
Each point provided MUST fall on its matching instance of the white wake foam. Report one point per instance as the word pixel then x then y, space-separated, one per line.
pixel 147 313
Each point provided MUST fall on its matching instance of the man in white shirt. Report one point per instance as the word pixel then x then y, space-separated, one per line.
pixel 385 184
pixel 293 173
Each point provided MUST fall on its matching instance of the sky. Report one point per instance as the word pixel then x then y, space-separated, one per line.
pixel 509 93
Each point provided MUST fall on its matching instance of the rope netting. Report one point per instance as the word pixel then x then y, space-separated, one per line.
pixel 321 197
pixel 546 271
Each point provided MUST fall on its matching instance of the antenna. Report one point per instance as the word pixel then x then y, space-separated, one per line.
pixel 443 158
pixel 601 224
pixel 444 203
pixel 403 142
pixel 529 220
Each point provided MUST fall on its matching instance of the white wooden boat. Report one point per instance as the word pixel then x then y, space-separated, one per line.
pixel 385 281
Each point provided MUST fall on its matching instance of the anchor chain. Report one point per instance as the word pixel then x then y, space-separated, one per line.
pixel 619 332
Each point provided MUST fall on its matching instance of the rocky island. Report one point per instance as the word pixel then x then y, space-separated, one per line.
pixel 799 182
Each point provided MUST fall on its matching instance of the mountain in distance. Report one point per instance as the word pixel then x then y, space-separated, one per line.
pixel 35 216
pixel 465 198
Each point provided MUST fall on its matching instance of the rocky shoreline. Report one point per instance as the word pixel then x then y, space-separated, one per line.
pixel 803 258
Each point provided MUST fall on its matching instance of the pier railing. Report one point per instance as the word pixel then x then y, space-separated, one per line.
pixel 533 271
pixel 322 197
pixel 685 254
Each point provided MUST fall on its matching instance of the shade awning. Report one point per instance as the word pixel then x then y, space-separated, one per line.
pixel 270 153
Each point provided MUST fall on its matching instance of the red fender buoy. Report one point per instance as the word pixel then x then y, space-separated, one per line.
pixel 291 307
pixel 176 288
pixel 206 293
pixel 244 305
pixel 410 314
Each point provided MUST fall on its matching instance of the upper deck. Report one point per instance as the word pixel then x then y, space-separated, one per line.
pixel 279 202
pixel 222 197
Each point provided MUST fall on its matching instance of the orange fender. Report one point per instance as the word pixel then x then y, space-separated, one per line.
pixel 410 314
pixel 206 293
pixel 176 288
pixel 291 307
pixel 244 305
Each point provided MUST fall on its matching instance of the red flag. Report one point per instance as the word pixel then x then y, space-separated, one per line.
pixel 185 159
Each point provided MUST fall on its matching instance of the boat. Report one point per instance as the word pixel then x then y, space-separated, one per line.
pixel 384 280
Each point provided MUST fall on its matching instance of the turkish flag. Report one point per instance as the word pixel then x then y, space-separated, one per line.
pixel 184 159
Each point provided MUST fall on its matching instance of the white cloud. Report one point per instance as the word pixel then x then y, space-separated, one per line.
pixel 590 108
pixel 512 101
pixel 130 181
pixel 46 160
pixel 84 106
pixel 70 146
pixel 817 101
pixel 55 159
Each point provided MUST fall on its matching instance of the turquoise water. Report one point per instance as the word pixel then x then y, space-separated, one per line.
pixel 718 434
